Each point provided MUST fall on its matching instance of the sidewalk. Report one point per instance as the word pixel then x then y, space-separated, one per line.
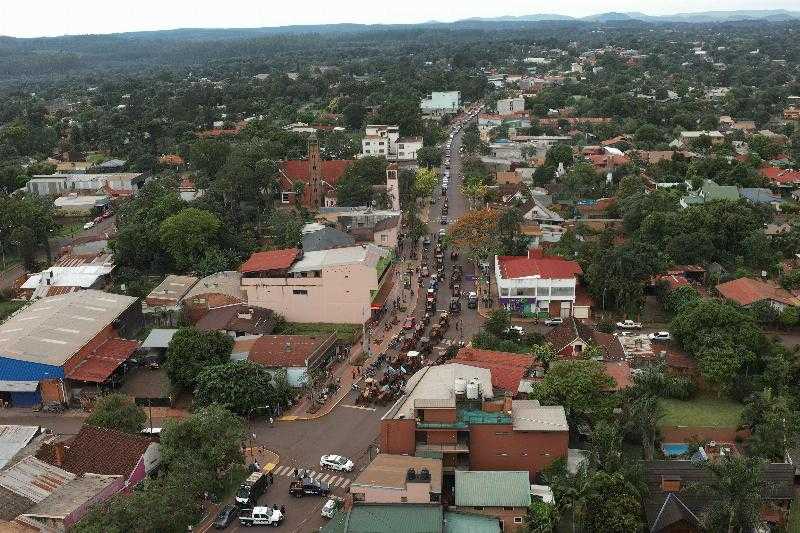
pixel 345 370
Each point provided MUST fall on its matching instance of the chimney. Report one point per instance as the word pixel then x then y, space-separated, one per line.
pixel 59 452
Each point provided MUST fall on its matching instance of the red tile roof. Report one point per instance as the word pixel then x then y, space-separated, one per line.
pixel 781 176
pixel 571 329
pixel 272 260
pixel 673 280
pixel 507 368
pixel 746 291
pixel 281 351
pixel 542 266
pixel 620 372
pixel 98 365
pixel 299 170
pixel 99 451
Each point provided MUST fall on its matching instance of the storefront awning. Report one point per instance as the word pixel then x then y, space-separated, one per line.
pixel 19 386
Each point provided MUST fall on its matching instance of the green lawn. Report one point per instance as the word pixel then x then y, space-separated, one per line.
pixel 702 411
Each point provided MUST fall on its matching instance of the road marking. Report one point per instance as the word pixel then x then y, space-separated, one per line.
pixel 346 482
pixel 359 407
pixel 283 470
pixel 325 478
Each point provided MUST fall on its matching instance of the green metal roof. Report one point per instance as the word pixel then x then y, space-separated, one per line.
pixel 470 523
pixel 468 417
pixel 394 518
pixel 493 489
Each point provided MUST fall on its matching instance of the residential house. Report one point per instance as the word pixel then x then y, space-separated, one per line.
pixel 441 103
pixel 747 292
pixel 333 286
pixel 170 292
pixel 451 412
pixel 488 120
pixel 70 273
pixel 781 177
pixel 399 479
pixel 505 495
pixel 673 505
pixel 104 451
pixel 380 140
pixel 237 320
pixel 407 518
pixel 59 344
pixel 13 440
pixel 72 204
pixel 215 290
pixel 791 113
pixel 114 184
pixel 509 106
pixel 311 182
pixel 711 192
pixel 572 337
pixel 297 355
pixel 407 148
pixel 509 370
pixel 686 138
pixel 538 284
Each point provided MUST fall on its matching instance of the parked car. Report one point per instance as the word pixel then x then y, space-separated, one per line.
pixel 309 486
pixel 556 321
pixel 225 516
pixel 472 300
pixel 252 488
pixel 442 233
pixel 89 224
pixel 336 462
pixel 425 272
pixel 629 324
pixel 443 220
pixel 107 214
pixel 260 516
pixel 515 329
pixel 410 323
pixel 331 506
pixel 662 336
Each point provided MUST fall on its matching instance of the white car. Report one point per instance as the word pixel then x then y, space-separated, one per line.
pixel 629 324
pixel 557 321
pixel 336 462
pixel 660 336
pixel 89 224
pixel 516 329
pixel 330 507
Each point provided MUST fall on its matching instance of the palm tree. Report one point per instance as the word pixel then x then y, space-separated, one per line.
pixel 735 489
pixel 643 416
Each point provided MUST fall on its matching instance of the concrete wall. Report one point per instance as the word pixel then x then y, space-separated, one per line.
pixel 499 447
pixel 413 493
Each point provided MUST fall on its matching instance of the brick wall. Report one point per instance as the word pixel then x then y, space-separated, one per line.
pixel 499 447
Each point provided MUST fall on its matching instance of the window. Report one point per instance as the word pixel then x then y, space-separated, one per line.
pixel 400 146
pixel 286 197
pixel 358 496
pixel 517 519
pixel 300 291
pixel 384 238
pixel 403 499
pixel 508 508
pixel 477 508
pixel 381 143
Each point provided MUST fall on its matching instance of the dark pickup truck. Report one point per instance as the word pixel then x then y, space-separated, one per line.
pixel 309 486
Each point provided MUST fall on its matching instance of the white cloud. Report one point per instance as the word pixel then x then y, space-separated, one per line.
pixel 50 17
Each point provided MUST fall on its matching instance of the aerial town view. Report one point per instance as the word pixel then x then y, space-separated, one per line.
pixel 416 268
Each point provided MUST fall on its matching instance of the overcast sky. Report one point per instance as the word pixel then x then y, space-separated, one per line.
pixel 33 18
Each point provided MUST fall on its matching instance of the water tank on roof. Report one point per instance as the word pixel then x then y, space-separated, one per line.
pixel 424 475
pixel 460 386
pixel 411 475
pixel 474 390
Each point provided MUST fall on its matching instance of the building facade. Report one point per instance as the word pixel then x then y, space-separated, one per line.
pixel 537 284
pixel 441 103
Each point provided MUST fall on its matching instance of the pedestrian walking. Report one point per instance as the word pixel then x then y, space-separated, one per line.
pixel 295 472
pixel 283 510
pixel 271 421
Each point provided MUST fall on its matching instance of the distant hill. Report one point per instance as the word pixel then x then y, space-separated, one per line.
pixel 699 17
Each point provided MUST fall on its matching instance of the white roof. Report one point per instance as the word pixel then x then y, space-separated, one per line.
pixel 14 438
pixel 78 276
pixel 368 254
pixel 437 383
pixel 528 415
pixel 80 201
pixel 53 329
pixel 159 338
pixel 227 282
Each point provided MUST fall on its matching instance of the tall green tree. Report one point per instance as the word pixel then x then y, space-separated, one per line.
pixel 187 235
pixel 735 486
pixel 581 386
pixel 239 386
pixel 117 411
pixel 191 351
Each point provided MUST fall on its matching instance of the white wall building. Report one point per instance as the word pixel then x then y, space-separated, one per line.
pixel 509 106
pixel 441 102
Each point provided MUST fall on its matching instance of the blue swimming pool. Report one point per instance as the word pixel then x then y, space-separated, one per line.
pixel 674 449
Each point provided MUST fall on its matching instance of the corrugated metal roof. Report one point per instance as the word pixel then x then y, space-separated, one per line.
pixel 13 438
pixel 397 518
pixel 34 479
pixel 158 338
pixel 528 415
pixel 18 386
pixel 16 370
pixel 492 489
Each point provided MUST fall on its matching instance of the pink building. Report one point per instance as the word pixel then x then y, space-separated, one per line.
pixel 399 479
pixel 333 286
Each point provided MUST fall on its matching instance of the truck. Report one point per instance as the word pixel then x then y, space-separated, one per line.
pixel 253 487
pixel 260 516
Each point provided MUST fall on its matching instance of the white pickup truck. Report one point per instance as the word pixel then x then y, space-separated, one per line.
pixel 260 516
pixel 629 324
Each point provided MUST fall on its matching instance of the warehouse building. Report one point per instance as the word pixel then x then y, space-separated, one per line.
pixel 58 345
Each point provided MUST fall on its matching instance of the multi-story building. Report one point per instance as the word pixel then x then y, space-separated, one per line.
pixel 450 412
pixel 335 286
pixel 537 283
pixel 441 102
pixel 399 479
pixel 509 106
pixel 381 140
pixel 114 184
